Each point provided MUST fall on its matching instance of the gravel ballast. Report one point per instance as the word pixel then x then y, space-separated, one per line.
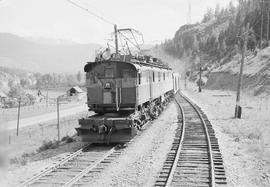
pixel 143 158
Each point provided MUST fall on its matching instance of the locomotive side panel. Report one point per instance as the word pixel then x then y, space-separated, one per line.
pixel 162 85
pixel 128 89
pixel 143 87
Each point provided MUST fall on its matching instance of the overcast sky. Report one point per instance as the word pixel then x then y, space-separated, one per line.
pixel 156 19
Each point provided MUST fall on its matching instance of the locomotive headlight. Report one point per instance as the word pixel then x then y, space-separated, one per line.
pixel 107 85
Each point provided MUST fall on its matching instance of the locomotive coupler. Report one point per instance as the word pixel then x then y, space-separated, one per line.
pixel 102 129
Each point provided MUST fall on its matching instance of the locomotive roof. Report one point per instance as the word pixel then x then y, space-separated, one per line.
pixel 137 61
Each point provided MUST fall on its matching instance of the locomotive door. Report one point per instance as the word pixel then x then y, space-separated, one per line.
pixel 128 91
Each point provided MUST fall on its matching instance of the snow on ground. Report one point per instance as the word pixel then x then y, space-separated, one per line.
pixel 144 157
pixel 245 142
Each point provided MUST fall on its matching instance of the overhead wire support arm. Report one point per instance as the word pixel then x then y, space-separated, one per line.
pixel 129 40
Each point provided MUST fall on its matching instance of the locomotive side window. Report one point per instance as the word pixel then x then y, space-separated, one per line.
pixel 164 76
pixel 108 72
pixel 153 76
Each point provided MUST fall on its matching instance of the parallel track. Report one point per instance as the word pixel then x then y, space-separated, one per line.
pixel 77 169
pixel 194 158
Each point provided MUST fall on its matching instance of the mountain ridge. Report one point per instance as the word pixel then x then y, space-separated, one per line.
pixel 23 53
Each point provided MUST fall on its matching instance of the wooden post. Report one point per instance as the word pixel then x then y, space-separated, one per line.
pixel 58 120
pixel 238 108
pixel 268 22
pixel 200 80
pixel 185 81
pixel 261 35
pixel 18 118
pixel 47 95
pixel 200 72
pixel 116 39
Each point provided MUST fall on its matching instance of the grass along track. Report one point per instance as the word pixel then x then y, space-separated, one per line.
pixel 194 158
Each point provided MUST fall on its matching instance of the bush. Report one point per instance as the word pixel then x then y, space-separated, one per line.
pixel 30 99
pixel 68 139
pixel 22 161
pixel 48 145
pixel 15 91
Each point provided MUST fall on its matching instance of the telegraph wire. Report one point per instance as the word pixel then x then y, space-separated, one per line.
pixel 90 12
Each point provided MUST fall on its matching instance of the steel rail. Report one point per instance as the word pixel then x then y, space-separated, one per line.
pixel 72 181
pixel 168 182
pixel 210 152
pixel 47 170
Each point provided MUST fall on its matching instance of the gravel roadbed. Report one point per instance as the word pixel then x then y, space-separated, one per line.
pixel 143 158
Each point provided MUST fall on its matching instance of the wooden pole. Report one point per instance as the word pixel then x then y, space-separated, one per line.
pixel 18 117
pixel 200 80
pixel 116 39
pixel 47 95
pixel 238 108
pixel 185 81
pixel 268 23
pixel 58 120
pixel 261 35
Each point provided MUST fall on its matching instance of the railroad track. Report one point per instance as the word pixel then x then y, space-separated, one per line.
pixel 194 158
pixel 78 168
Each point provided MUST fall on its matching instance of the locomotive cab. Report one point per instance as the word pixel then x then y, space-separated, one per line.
pixel 111 86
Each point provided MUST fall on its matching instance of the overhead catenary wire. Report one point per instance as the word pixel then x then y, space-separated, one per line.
pixel 90 12
pixel 119 31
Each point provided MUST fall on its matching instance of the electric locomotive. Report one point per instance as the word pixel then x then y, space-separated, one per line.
pixel 125 92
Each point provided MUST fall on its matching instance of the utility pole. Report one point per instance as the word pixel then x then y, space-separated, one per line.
pixel 116 39
pixel 261 35
pixel 268 22
pixel 47 95
pixel 185 80
pixel 189 12
pixel 200 74
pixel 238 108
pixel 200 80
pixel 18 117
pixel 58 120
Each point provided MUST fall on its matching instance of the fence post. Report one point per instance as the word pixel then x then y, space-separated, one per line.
pixel 58 120
pixel 9 139
pixel 18 118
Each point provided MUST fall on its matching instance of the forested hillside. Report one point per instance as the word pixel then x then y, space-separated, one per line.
pixel 215 39
pixel 216 44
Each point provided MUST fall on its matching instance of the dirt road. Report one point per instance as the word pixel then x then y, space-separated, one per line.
pixel 45 117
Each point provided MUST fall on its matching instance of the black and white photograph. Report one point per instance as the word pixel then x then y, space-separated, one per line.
pixel 135 93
